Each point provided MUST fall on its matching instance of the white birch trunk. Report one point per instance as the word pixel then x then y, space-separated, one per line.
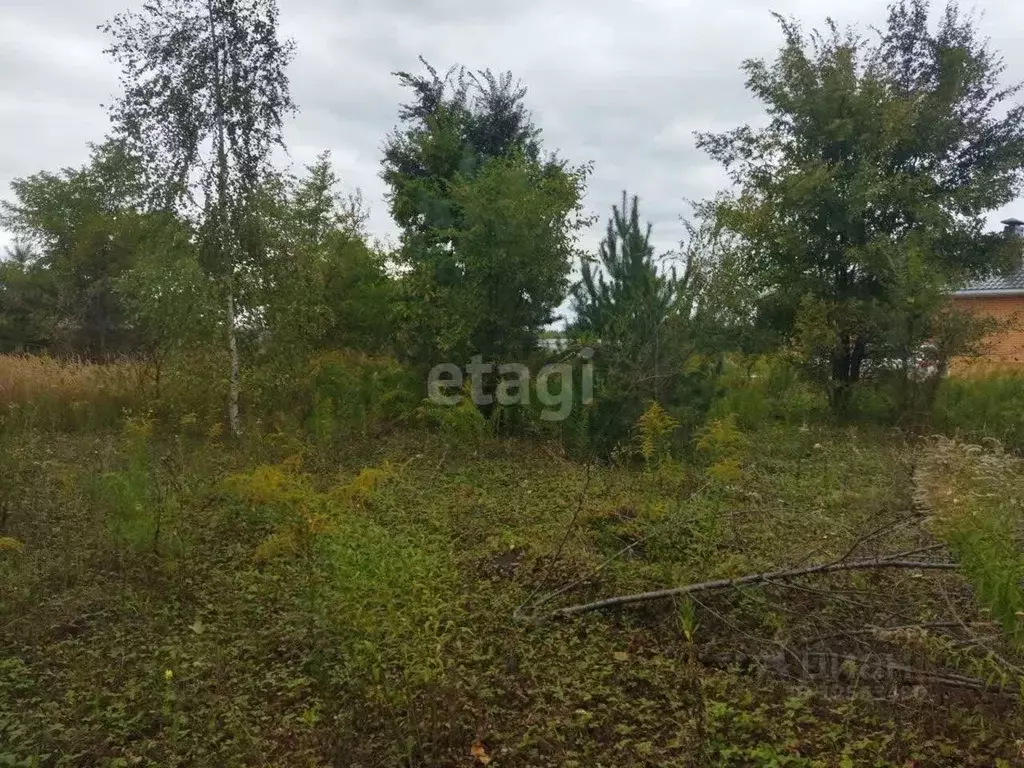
pixel 233 379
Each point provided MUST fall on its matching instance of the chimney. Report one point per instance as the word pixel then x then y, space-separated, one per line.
pixel 1013 227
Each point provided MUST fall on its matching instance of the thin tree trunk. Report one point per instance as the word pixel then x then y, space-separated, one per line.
pixel 233 380
pixel 847 360
pixel 227 257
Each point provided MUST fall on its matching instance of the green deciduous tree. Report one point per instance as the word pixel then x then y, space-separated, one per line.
pixel 169 302
pixel 327 286
pixel 28 299
pixel 87 228
pixel 880 158
pixel 205 96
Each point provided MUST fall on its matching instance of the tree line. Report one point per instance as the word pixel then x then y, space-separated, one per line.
pixel 854 212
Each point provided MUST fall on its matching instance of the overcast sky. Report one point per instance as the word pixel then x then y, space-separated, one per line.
pixel 622 84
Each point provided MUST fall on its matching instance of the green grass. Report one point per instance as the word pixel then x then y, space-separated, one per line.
pixel 984 407
pixel 304 614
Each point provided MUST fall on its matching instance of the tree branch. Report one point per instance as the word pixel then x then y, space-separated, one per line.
pixel 608 561
pixel 568 532
pixel 875 631
pixel 777 662
pixel 755 578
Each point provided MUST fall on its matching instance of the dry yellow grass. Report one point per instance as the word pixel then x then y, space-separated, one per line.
pixel 25 379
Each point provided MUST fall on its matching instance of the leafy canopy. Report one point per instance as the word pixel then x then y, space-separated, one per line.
pixel 880 158
pixel 489 226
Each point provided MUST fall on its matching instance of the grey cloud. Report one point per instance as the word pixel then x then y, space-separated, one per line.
pixel 622 85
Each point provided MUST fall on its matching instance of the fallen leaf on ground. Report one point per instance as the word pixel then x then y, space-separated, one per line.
pixel 480 752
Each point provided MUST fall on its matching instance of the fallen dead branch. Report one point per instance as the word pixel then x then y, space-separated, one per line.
pixel 883 631
pixel 608 561
pixel 565 539
pixel 841 665
pixel 754 578
pixel 880 531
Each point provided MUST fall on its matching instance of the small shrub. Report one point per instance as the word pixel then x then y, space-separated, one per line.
pixel 176 396
pixel 766 388
pixel 138 501
pixel 654 431
pixel 351 393
pixel 458 424
pixel 721 440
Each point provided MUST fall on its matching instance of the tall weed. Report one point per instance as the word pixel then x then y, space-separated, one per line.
pixel 51 394
pixel 976 495
pixel 349 393
pixel 983 406
pixel 140 502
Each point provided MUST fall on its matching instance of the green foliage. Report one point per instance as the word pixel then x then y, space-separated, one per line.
pixel 459 424
pixel 488 228
pixel 626 309
pixel 654 431
pixel 327 287
pixel 353 393
pixel 27 302
pixel 862 202
pixel 341 583
pixel 983 406
pixel 760 389
pixel 584 432
pixel 385 595
pixel 453 125
pixel 169 301
pixel 364 606
pixel 87 231
pixel 504 269
pixel 658 337
pixel 976 495
pixel 205 97
pixel 138 503
pixel 986 551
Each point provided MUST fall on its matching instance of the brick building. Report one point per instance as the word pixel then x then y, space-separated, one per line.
pixel 1000 296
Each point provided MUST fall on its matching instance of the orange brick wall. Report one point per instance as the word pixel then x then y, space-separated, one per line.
pixel 1004 349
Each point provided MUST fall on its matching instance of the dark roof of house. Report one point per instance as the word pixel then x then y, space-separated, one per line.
pixel 1011 281
pixel 1000 282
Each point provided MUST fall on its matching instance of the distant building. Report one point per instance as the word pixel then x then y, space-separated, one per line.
pixel 553 343
pixel 1000 296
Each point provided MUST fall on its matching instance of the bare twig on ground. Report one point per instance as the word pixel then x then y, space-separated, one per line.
pixel 899 628
pixel 608 561
pixel 783 648
pixel 777 661
pixel 913 552
pixel 561 546
pixel 892 525
pixel 754 578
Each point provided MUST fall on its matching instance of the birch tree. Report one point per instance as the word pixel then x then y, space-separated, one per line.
pixel 205 96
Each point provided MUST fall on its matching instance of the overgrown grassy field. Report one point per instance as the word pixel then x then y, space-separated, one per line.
pixel 385 597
